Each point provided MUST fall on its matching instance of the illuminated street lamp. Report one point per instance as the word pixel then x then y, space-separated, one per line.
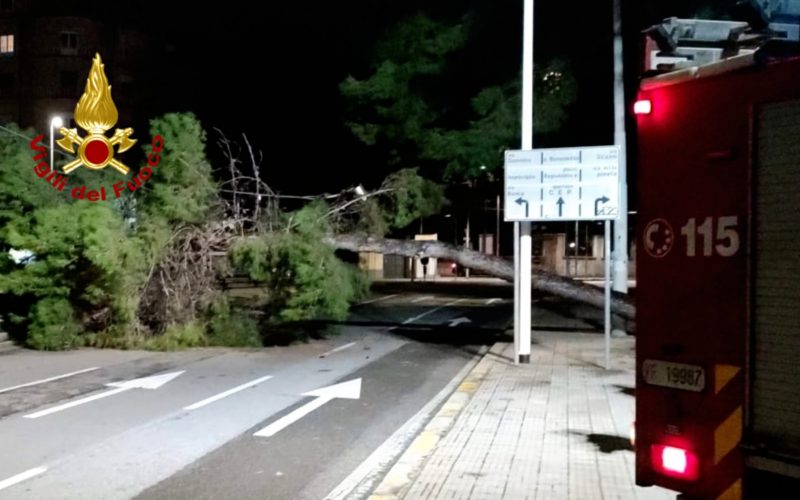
pixel 55 123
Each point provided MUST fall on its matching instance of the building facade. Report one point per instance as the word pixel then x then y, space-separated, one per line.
pixel 46 50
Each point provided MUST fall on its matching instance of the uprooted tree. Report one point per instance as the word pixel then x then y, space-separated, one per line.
pixel 150 269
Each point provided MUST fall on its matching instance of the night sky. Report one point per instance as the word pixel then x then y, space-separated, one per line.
pixel 272 69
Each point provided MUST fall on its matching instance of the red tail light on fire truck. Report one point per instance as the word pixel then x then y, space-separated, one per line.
pixel 674 462
pixel 643 107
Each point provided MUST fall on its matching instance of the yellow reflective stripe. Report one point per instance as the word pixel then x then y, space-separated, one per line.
pixel 727 435
pixel 734 492
pixel 722 375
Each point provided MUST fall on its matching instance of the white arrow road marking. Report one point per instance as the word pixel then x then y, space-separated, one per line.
pixel 492 301
pixel 346 390
pixel 340 348
pixel 458 321
pixel 420 316
pixel 420 299
pixel 22 476
pixel 50 379
pixel 152 382
pixel 227 393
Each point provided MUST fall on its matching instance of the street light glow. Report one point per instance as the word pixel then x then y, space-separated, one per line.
pixel 55 123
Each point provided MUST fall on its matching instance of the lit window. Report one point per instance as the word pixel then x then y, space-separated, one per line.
pixel 6 44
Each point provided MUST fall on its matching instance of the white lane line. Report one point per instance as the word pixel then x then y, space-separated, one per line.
pixel 420 299
pixel 420 316
pixel 378 299
pixel 22 476
pixel 364 478
pixel 340 348
pixel 152 382
pixel 77 402
pixel 227 393
pixel 50 379
pixel 492 301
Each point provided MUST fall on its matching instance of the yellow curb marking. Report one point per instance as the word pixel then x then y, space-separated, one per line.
pixel 468 387
pixel 425 443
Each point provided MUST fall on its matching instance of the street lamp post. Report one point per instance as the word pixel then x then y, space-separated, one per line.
pixel 497 228
pixel 55 123
pixel 522 230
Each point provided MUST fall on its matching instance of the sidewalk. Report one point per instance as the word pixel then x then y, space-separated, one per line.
pixel 557 428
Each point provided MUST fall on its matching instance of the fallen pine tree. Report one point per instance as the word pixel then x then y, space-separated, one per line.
pixel 621 304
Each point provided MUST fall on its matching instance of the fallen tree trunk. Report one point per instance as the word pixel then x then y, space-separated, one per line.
pixel 621 304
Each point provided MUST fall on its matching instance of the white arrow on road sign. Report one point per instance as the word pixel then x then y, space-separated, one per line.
pixel 151 382
pixel 458 321
pixel 346 390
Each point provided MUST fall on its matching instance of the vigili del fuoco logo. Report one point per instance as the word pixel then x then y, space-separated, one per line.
pixel 96 114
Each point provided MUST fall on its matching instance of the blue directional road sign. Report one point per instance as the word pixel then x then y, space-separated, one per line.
pixel 562 184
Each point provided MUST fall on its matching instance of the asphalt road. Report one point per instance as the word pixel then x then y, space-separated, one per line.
pixel 182 425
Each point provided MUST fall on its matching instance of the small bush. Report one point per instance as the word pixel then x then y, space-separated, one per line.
pixel 112 338
pixel 230 328
pixel 53 326
pixel 177 337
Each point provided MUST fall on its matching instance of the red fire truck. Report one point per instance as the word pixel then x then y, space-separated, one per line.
pixel 718 269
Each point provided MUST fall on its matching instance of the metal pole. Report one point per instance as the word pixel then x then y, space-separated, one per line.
pixel 621 224
pixel 497 228
pixel 607 243
pixel 525 247
pixel 516 292
pixel 567 270
pixel 52 151
pixel 577 243
pixel 525 244
pixel 467 244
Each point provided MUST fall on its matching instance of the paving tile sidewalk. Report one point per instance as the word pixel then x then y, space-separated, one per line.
pixel 557 428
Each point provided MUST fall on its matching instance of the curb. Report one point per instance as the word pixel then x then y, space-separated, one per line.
pixel 7 345
pixel 403 473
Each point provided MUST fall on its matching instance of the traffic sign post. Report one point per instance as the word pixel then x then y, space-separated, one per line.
pixel 559 184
